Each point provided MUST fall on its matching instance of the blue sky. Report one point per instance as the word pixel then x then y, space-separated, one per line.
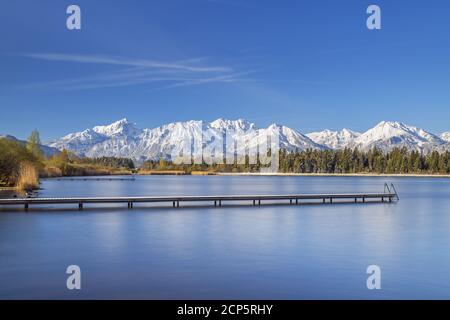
pixel 307 64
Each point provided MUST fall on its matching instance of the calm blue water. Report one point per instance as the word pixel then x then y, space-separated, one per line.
pixel 268 252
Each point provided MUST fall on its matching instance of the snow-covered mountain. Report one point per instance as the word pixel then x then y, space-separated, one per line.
pixel 334 139
pixel 110 140
pixel 125 139
pixel 445 136
pixel 239 125
pixel 388 135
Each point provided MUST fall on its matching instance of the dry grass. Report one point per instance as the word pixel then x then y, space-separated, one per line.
pixel 28 178
pixel 93 170
pixel 203 173
pixel 74 169
pixel 161 172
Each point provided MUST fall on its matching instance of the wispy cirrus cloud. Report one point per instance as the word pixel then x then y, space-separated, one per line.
pixel 224 78
pixel 138 72
pixel 143 63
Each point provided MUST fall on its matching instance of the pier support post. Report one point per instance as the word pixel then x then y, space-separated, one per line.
pixel 296 201
pixel 390 199
pixel 80 206
pixel 215 203
pixel 290 201
pixel 220 203
pixel 323 200
pixel 254 202
pixel 364 199
pixel 178 204
pixel 173 203
pixel 331 200
pixel 26 206
pixel 382 199
pixel 259 202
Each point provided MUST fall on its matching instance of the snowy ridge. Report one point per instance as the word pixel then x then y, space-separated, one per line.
pixel 388 135
pixel 124 139
pixel 334 139
pixel 445 136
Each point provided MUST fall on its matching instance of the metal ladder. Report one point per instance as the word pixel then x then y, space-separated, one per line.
pixel 390 187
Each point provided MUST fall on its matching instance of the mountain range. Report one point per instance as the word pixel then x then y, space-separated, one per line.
pixel 385 136
pixel 124 139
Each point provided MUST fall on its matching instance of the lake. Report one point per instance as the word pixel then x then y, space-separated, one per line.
pixel 232 252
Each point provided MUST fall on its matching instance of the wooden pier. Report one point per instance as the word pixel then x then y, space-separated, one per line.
pixel 389 195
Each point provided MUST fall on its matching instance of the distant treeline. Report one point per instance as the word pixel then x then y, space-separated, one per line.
pixel 397 161
pixel 111 162
pixel 165 165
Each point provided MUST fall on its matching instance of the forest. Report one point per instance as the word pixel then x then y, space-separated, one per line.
pixel 397 161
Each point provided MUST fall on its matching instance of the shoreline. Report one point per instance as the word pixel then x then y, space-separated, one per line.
pixel 266 174
pixel 391 175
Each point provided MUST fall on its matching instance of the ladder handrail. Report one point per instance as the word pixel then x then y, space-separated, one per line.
pixel 395 190
pixel 386 186
pixel 390 187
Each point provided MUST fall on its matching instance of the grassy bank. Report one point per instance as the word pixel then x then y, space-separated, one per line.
pixel 75 169
pixel 21 166
pixel 162 172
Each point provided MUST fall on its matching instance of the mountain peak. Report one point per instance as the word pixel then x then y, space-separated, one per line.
pixel 334 139
pixel 445 136
pixel 389 128
pixel 276 125
pixel 122 126
pixel 393 124
pixel 390 134
pixel 239 124
pixel 122 121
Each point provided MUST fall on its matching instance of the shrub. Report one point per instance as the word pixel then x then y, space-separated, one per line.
pixel 12 154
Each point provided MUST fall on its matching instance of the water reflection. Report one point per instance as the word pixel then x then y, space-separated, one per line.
pixel 267 252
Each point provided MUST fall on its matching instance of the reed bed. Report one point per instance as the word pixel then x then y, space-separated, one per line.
pixel 28 177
